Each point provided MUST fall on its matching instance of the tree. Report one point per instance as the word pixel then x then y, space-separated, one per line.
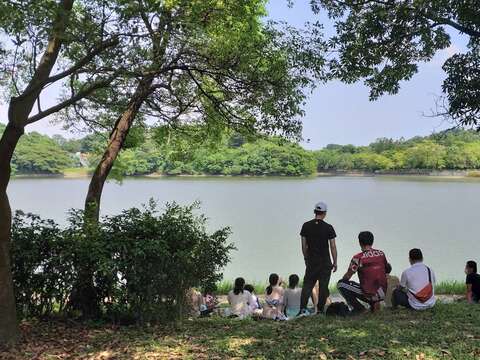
pixel 38 154
pixel 42 32
pixel 211 63
pixel 426 155
pixel 382 42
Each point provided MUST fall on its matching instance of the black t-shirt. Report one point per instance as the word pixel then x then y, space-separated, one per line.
pixel 474 280
pixel 318 233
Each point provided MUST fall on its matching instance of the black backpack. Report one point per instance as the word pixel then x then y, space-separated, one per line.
pixel 337 309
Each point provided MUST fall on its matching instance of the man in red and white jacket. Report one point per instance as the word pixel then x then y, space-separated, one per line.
pixel 370 265
pixel 417 285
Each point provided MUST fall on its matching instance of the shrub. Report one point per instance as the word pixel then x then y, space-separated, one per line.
pixel 142 262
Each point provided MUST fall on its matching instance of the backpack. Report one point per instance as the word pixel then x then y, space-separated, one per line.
pixel 427 292
pixel 337 309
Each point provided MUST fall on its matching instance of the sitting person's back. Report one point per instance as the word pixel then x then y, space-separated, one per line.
pixel 274 299
pixel 238 299
pixel 417 283
pixel 253 302
pixel 292 296
pixel 392 284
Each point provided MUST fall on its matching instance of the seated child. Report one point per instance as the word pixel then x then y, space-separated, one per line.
pixel 238 299
pixel 473 282
pixel 392 283
pixel 291 297
pixel 253 302
pixel 274 299
pixel 210 301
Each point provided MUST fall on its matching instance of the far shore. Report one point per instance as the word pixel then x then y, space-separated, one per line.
pixel 82 173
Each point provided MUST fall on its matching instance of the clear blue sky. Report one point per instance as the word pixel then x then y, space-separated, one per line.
pixel 342 114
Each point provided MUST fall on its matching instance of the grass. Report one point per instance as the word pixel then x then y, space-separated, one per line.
pixel 77 172
pixel 442 288
pixel 450 288
pixel 445 332
pixel 474 174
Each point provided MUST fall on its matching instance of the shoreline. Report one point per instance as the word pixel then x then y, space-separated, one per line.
pixel 441 174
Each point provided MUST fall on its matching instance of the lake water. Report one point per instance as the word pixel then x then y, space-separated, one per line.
pixel 439 216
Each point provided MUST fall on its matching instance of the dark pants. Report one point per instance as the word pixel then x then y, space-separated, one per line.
pixel 400 298
pixel 352 292
pixel 316 272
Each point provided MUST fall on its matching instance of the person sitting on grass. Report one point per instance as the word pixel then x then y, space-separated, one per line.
pixel 291 298
pixel 473 282
pixel 253 302
pixel 370 265
pixel 238 299
pixel 210 301
pixel 274 299
pixel 392 284
pixel 417 285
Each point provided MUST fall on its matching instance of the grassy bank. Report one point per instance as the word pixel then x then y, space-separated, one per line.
pixel 446 332
pixel 442 288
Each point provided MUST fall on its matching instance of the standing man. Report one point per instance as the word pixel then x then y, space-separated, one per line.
pixel 318 241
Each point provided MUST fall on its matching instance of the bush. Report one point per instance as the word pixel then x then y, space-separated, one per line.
pixel 142 262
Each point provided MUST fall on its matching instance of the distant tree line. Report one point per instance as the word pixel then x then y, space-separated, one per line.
pixel 234 154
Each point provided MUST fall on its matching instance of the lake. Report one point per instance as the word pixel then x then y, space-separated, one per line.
pixel 440 216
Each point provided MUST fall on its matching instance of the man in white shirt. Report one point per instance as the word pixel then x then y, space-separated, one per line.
pixel 416 290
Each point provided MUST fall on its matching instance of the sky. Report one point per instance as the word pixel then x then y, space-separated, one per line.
pixel 340 113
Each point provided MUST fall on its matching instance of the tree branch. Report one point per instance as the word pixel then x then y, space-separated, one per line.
pixel 72 100
pixel 84 61
pixel 471 32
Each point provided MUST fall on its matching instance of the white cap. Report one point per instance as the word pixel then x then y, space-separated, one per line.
pixel 321 206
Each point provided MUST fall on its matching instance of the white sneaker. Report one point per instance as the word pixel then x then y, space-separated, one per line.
pixel 303 313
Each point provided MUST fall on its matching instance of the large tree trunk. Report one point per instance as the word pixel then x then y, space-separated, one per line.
pixel 115 144
pixel 8 316
pixel 84 295
pixel 18 112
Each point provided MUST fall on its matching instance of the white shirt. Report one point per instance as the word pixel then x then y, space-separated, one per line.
pixel 414 279
pixel 239 303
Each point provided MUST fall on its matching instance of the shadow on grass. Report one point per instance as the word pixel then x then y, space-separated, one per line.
pixel 448 331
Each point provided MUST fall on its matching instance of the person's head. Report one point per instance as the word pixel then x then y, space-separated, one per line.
pixel 388 268
pixel 415 256
pixel 365 238
pixel 320 210
pixel 293 281
pixel 273 280
pixel 239 285
pixel 471 267
pixel 249 288
pixel 209 289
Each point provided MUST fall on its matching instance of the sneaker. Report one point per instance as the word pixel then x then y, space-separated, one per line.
pixel 303 313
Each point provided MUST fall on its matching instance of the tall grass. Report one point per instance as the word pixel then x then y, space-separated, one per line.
pixel 451 287
pixel 225 286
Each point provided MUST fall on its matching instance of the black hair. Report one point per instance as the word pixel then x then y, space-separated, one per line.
pixel 293 281
pixel 388 268
pixel 472 265
pixel 239 286
pixel 249 288
pixel 209 289
pixel 415 255
pixel 365 238
pixel 273 281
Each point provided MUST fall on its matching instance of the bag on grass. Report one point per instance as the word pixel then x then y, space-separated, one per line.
pixel 337 309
